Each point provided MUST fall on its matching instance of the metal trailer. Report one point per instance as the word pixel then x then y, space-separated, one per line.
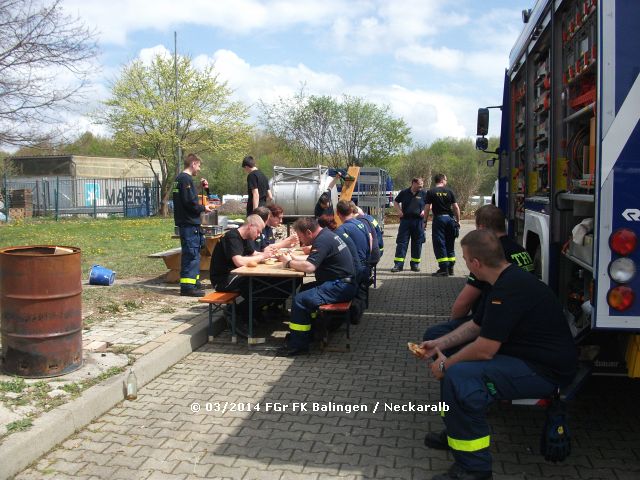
pixel 297 190
pixel 371 192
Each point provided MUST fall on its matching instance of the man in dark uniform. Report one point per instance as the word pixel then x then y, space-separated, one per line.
pixel 260 243
pixel 324 205
pixel 470 300
pixel 521 348
pixel 236 249
pixel 357 231
pixel 186 215
pixel 410 205
pixel 446 219
pixel 373 226
pixel 332 263
pixel 258 191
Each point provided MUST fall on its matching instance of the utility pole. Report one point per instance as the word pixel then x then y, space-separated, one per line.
pixel 175 71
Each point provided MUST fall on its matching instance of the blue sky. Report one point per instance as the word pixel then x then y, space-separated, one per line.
pixel 434 62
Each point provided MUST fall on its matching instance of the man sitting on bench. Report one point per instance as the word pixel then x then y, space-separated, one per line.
pixel 236 249
pixel 332 263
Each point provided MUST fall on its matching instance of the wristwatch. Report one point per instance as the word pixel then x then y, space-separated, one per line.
pixel 442 367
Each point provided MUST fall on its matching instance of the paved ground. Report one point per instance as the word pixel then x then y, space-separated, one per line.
pixel 159 436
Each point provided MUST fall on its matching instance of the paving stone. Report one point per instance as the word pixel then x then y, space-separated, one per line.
pixel 166 476
pixel 159 437
pixel 158 465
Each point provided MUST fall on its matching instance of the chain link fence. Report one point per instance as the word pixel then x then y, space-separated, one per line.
pixel 67 196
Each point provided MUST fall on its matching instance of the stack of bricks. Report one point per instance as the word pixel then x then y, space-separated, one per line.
pixel 20 204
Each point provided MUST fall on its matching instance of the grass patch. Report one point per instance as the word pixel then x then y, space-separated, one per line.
pixel 122 349
pixel 133 305
pixel 111 307
pixel 19 425
pixel 72 388
pixel 120 244
pixel 167 309
pixel 15 385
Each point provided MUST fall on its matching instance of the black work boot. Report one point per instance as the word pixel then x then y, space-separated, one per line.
pixel 456 472
pixel 450 271
pixel 415 268
pixel 441 273
pixel 396 268
pixel 437 441
pixel 191 292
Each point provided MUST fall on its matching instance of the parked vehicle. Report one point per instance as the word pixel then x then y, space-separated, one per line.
pixel 569 166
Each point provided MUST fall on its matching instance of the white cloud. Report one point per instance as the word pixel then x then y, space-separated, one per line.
pixel 442 58
pixel 116 19
pixel 269 82
pixel 409 31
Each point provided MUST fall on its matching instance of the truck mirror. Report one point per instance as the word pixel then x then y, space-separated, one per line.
pixel 483 122
pixel 482 143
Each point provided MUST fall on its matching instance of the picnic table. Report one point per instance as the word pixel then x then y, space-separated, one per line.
pixel 173 256
pixel 286 282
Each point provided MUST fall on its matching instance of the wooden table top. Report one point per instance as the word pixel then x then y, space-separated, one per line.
pixel 264 270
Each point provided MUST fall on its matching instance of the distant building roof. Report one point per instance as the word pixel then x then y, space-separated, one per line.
pixel 81 166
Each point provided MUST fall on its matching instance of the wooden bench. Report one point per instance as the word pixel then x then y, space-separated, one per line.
pixel 173 257
pixel 329 310
pixel 217 301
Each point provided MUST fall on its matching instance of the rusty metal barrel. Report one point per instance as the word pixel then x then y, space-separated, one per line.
pixel 40 310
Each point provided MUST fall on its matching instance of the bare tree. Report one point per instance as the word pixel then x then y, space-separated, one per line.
pixel 38 44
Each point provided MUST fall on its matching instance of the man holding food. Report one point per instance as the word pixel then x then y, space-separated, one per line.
pixel 234 250
pixel 331 261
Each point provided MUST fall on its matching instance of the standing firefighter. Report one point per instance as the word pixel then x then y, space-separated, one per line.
pixel 410 204
pixel 446 224
pixel 186 214
pixel 258 191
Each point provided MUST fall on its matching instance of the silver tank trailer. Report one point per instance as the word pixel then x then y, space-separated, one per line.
pixel 297 190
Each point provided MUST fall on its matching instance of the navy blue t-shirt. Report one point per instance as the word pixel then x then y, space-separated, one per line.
pixel 331 257
pixel 526 317
pixel 357 265
pixel 412 203
pixel 357 231
pixel 376 235
pixel 269 235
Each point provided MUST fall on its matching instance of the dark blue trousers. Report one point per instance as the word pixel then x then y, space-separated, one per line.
pixel 307 301
pixel 191 241
pixel 468 388
pixel 443 236
pixel 410 228
pixel 441 329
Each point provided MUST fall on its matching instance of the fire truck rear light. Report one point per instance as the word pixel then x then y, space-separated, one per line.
pixel 622 270
pixel 623 241
pixel 620 298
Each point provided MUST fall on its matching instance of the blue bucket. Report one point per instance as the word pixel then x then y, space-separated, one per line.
pixel 99 275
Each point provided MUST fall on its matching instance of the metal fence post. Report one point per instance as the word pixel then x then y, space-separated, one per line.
pixel 5 194
pixel 125 197
pixel 57 200
pixel 95 199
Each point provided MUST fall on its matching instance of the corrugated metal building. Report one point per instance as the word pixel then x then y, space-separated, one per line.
pixel 80 166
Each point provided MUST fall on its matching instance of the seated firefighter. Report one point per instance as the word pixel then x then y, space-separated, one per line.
pixel 236 249
pixel 521 348
pixel 471 299
pixel 272 216
pixel 332 263
pixel 357 231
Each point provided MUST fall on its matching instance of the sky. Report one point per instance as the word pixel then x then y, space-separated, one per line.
pixel 434 62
